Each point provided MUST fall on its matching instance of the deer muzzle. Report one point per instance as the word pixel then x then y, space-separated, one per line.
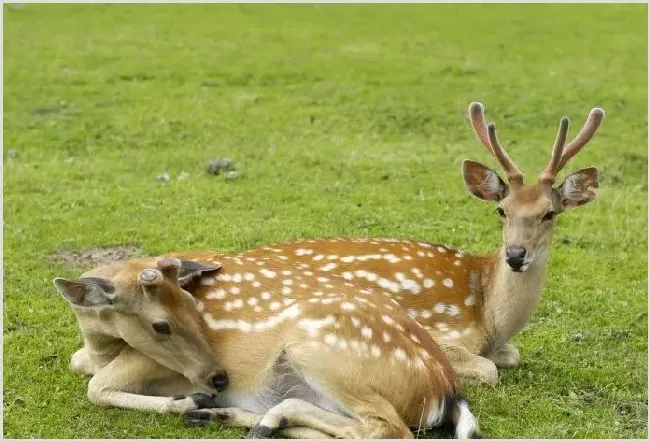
pixel 516 258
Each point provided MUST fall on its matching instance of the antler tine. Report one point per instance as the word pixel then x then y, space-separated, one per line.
pixel 550 172
pixel 477 116
pixel 587 132
pixel 514 174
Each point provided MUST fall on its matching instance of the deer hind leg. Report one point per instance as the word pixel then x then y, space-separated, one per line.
pixel 296 412
pixel 122 382
pixel 470 366
pixel 236 417
pixel 507 356
pixel 303 433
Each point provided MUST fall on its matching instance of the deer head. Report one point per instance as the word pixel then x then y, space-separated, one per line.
pixel 151 313
pixel 528 212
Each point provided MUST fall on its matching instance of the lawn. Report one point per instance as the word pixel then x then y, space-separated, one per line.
pixel 343 120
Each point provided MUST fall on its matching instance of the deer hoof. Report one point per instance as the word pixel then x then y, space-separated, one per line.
pixel 260 431
pixel 197 418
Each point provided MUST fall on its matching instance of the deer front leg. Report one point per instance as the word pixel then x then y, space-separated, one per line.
pixel 507 356
pixel 122 382
pixel 470 366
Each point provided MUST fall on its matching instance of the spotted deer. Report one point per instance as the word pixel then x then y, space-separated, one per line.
pixel 472 305
pixel 309 356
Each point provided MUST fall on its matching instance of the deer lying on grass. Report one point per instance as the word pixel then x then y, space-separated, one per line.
pixel 471 305
pixel 309 356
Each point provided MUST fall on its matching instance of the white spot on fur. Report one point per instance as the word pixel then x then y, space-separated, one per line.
pixel 208 281
pixel 400 354
pixel 252 301
pixel 286 290
pixel 268 273
pixel 411 285
pixel 386 337
pixel 274 306
pixel 347 275
pixel 224 277
pixel 219 294
pixel 265 295
pixel 366 332
pixel 303 252
pixel 375 351
pixel 448 282
pixel 313 326
pixel 235 290
pixel 441 250
pixel 428 283
pixel 355 322
pixel 470 300
pixel 347 306
pixel 330 266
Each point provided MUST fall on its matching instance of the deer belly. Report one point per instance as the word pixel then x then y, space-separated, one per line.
pixel 285 382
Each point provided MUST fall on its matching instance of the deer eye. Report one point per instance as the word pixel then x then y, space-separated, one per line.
pixel 162 328
pixel 500 212
pixel 549 216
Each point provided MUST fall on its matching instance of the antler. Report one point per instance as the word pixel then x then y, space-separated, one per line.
pixel 488 136
pixel 561 153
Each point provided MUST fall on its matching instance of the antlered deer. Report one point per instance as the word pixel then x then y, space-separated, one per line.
pixel 307 355
pixel 472 305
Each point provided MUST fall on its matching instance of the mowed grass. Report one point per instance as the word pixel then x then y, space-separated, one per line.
pixel 344 121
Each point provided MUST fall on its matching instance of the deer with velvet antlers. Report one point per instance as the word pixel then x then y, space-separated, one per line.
pixel 471 305
pixel 308 356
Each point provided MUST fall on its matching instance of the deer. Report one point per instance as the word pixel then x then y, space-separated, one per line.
pixel 472 305
pixel 249 343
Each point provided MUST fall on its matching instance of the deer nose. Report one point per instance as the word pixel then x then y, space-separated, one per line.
pixel 220 381
pixel 515 257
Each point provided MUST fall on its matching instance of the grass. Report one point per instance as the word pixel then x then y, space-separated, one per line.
pixel 344 120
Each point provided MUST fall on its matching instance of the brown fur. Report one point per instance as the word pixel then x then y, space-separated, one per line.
pixel 382 387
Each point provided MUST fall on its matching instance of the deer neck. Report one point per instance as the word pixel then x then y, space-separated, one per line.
pixel 510 298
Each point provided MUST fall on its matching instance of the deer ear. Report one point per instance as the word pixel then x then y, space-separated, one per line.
pixel 191 270
pixel 483 182
pixel 87 292
pixel 578 188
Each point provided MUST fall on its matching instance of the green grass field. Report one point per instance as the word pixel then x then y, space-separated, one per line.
pixel 343 120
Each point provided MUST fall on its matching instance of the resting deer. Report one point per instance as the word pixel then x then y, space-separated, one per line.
pixel 471 305
pixel 310 356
